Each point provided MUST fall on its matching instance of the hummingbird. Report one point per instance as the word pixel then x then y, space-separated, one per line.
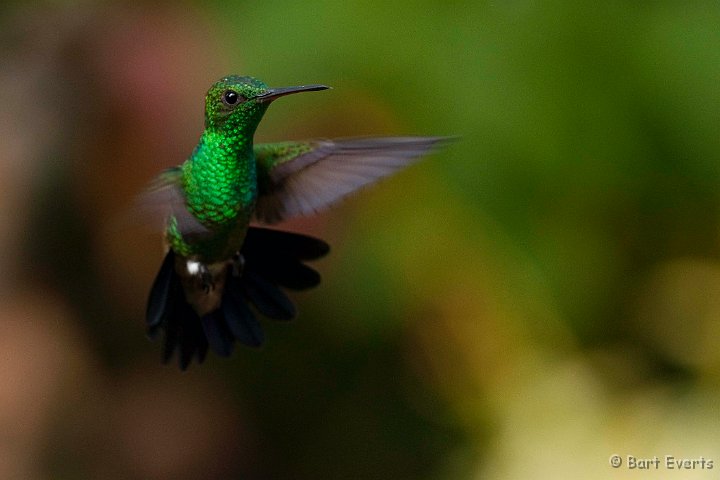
pixel 220 271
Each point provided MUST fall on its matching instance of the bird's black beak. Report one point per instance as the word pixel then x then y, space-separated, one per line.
pixel 273 93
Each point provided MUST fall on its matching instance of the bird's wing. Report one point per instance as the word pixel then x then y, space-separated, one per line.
pixel 164 199
pixel 299 178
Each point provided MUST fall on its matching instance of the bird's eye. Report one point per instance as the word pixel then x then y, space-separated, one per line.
pixel 232 98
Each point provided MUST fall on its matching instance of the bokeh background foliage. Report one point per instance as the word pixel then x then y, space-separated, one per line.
pixel 538 296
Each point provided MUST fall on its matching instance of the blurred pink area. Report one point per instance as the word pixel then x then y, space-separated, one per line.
pixel 43 356
pixel 118 83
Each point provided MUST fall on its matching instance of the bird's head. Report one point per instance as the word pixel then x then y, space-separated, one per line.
pixel 239 103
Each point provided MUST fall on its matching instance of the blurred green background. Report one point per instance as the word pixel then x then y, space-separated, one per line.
pixel 540 295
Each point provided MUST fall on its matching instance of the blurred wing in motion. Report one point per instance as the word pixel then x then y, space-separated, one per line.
pixel 165 199
pixel 300 178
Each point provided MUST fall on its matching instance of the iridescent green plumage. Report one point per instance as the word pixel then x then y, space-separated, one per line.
pixel 219 179
pixel 217 263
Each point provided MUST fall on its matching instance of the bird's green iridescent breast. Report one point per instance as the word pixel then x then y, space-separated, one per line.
pixel 220 186
pixel 219 181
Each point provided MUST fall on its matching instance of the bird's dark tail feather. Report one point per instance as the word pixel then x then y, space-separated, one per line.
pixel 273 259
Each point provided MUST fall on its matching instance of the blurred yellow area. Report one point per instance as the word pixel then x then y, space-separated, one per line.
pixel 539 296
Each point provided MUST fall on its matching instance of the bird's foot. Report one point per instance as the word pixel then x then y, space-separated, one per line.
pixel 207 279
pixel 238 264
pixel 201 271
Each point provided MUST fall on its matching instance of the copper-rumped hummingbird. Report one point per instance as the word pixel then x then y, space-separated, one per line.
pixel 217 265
